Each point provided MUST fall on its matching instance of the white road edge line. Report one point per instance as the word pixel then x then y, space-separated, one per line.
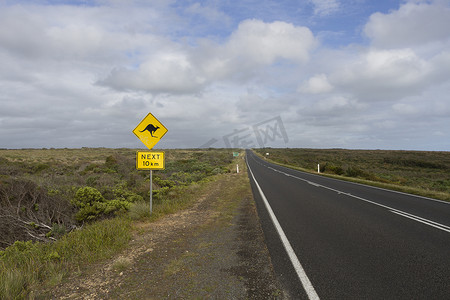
pixel 307 285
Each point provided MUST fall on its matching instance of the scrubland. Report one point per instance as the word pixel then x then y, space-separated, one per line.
pixel 62 208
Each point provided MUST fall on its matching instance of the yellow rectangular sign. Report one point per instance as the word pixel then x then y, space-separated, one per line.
pixel 146 160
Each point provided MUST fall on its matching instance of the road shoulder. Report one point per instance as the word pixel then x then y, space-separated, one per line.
pixel 215 249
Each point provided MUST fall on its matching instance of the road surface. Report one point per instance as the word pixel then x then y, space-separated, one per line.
pixel 332 239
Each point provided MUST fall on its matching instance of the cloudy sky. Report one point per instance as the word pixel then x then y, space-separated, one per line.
pixel 358 74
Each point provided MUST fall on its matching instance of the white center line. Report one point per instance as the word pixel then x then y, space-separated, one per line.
pixel 422 220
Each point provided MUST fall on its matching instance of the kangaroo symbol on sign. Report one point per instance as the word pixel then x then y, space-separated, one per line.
pixel 151 128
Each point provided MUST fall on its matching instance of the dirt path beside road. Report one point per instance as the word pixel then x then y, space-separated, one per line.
pixel 214 250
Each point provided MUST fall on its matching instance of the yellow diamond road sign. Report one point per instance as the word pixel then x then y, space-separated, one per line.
pixel 150 131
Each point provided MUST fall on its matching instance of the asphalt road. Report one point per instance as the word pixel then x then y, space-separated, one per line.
pixel 351 241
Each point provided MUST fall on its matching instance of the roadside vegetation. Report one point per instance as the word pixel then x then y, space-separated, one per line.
pixel 425 173
pixel 63 208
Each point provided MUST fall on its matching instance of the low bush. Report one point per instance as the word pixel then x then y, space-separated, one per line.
pixel 121 193
pixel 355 172
pixel 92 205
pixel 186 178
pixel 414 163
pixel 330 168
pixel 111 163
pixel 159 194
pixel 163 182
pixel 39 167
pixel 87 196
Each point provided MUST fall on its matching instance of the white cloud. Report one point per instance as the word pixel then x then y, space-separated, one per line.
pixel 441 66
pixel 163 73
pixel 263 43
pixel 404 108
pixel 377 75
pixel 317 84
pixel 413 24
pixel 325 7
pixel 210 13
pixel 337 104
pixel 253 45
pixel 384 74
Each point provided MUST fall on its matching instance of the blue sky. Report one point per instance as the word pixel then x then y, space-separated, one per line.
pixel 343 20
pixel 353 74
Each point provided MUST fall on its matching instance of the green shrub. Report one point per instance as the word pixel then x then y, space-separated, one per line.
pixel 53 256
pixel 57 231
pixel 87 196
pixel 90 202
pixel 122 193
pixel 90 212
pixel 93 205
pixel 18 247
pixel 414 163
pixel 332 169
pixel 160 193
pixel 111 162
pixel 39 167
pixel 186 178
pixel 201 167
pixel 355 172
pixel 116 205
pixel 53 192
pixel 219 170
pixel 109 171
pixel 92 167
pixel 163 182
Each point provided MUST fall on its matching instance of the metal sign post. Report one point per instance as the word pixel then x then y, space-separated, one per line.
pixel 151 192
pixel 146 160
